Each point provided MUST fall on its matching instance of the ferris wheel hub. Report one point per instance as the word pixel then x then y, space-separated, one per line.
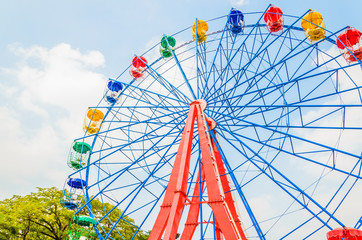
pixel 202 103
pixel 210 122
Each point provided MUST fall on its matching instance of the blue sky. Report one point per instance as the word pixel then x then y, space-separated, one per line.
pixel 57 55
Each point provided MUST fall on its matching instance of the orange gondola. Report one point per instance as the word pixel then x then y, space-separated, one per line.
pixel 202 27
pixel 313 26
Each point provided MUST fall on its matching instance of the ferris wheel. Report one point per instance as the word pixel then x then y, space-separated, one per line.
pixel 246 126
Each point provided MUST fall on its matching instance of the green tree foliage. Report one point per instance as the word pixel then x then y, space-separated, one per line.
pixel 34 216
pixel 126 227
pixel 39 216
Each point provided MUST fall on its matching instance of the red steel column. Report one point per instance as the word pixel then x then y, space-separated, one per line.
pixel 213 175
pixel 173 202
pixel 218 232
pixel 194 211
pixel 226 188
pixel 217 203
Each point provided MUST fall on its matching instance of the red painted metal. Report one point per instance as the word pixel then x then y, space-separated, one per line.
pixel 193 215
pixel 176 188
pixel 227 190
pixel 213 183
pixel 218 234
pixel 213 174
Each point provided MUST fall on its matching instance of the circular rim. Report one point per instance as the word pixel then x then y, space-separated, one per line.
pixel 272 98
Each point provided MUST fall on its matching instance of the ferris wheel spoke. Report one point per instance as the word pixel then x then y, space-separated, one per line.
pixel 284 43
pixel 140 111
pixel 156 113
pixel 146 100
pixel 278 86
pixel 129 125
pixel 138 188
pixel 226 73
pixel 250 86
pixel 156 119
pixel 266 71
pixel 237 101
pixel 156 168
pixel 223 71
pixel 168 86
pixel 293 81
pixel 202 71
pixel 183 74
pixel 260 50
pixel 242 44
pixel 329 202
pixel 159 146
pixel 197 56
pixel 319 148
pixel 239 190
pixel 117 221
pixel 284 183
pixel 212 65
pixel 339 110
pixel 129 170
pixel 123 146
pixel 118 173
pixel 144 156
pixel 154 95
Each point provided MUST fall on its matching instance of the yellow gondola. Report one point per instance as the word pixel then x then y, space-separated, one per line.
pixel 93 121
pixel 314 26
pixel 202 27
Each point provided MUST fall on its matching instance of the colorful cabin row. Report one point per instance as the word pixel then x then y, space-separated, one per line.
pixel 350 44
pixel 93 121
pixel 82 228
pixel 112 91
pixel 72 196
pixel 199 30
pixel 312 23
pixel 313 26
pixel 138 67
pixel 274 19
pixel 78 155
pixel 236 21
pixel 344 234
pixel 167 46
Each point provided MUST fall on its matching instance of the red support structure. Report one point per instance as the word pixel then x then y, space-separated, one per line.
pixel 213 174
pixel 175 195
pixel 227 191
pixel 193 215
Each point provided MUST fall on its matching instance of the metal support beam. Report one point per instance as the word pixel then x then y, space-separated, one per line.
pixel 212 173
pixel 171 208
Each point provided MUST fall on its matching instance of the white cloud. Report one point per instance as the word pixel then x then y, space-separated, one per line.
pixel 238 3
pixel 42 111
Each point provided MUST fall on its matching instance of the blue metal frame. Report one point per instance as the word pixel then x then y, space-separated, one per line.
pixel 266 93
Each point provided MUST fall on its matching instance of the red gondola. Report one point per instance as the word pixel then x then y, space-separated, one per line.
pixel 350 44
pixel 138 67
pixel 345 234
pixel 274 19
